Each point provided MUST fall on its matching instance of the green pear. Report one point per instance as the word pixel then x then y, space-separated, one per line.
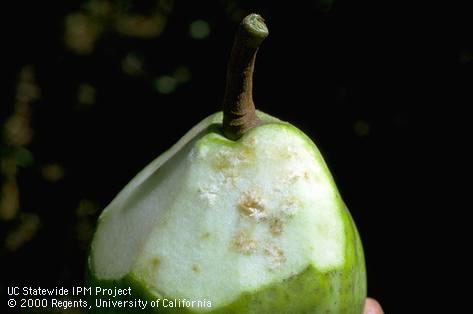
pixel 241 215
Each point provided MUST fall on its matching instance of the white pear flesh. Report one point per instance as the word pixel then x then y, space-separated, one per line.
pixel 213 218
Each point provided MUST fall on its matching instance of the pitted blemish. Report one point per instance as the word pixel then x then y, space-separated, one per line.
pixel 244 244
pixel 289 207
pixel 287 153
pixel 295 173
pixel 230 178
pixel 251 204
pixel 306 175
pixel 275 256
pixel 276 226
pixel 208 193
pixel 227 159
pixel 195 268
pixel 229 162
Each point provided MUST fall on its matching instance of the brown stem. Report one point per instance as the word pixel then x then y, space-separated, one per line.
pixel 239 113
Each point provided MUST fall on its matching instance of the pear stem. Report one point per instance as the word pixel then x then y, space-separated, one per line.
pixel 239 113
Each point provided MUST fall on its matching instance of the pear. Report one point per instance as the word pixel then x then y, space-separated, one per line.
pixel 241 215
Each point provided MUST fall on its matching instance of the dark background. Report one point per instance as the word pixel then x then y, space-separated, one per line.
pixel 95 90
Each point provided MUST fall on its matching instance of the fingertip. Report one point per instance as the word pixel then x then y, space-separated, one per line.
pixel 372 307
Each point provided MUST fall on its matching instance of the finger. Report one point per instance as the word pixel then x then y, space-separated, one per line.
pixel 372 307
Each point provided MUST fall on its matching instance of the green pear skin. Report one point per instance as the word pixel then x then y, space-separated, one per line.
pixel 255 225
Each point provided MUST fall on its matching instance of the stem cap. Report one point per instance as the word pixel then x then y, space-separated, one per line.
pixel 257 30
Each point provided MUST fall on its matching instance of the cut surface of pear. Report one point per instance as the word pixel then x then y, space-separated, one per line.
pixel 253 226
pixel 240 216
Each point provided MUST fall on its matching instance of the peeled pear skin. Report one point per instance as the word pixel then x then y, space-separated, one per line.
pixel 325 278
